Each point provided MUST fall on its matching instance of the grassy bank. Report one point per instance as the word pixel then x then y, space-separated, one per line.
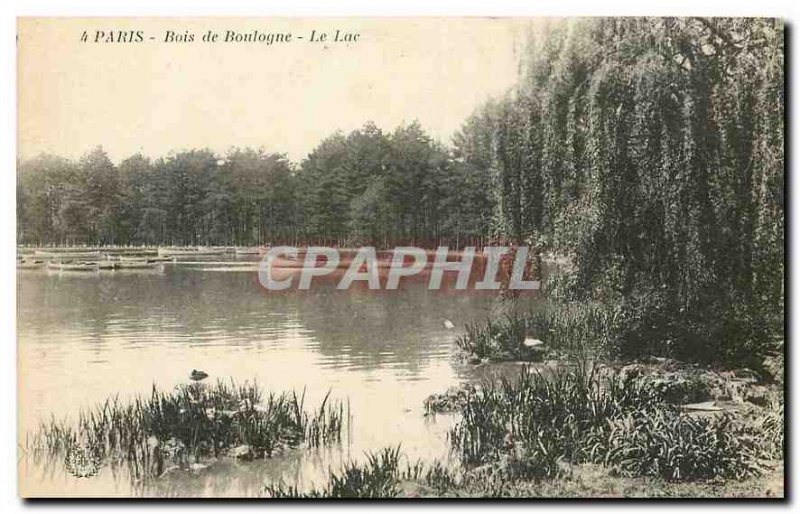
pixel 183 426
pixel 567 330
pixel 532 427
pixel 580 432
pixel 625 331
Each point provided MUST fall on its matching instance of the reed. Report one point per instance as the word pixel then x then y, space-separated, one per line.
pixel 436 476
pixel 193 422
pixel 378 477
pixel 496 340
pixel 535 427
pixel 580 331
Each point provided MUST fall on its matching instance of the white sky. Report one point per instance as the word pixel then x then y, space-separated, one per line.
pixel 155 97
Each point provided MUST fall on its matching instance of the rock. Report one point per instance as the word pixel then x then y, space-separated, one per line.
pixel 242 452
pixel 727 405
pixel 663 363
pixel 774 368
pixel 746 374
pixel 703 406
pixel 530 342
pixel 412 489
pixel 757 395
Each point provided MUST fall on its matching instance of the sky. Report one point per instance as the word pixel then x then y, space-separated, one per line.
pixel 157 97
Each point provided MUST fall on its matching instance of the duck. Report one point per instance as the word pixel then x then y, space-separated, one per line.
pixel 198 375
pixel 449 325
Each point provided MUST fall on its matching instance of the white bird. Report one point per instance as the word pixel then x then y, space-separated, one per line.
pixel 449 324
pixel 532 343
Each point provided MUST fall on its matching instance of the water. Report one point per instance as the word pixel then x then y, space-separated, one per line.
pixel 85 337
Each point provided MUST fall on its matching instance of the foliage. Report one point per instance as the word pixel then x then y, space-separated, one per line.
pixel 579 330
pixel 677 446
pixel 496 340
pixel 650 151
pixel 366 187
pixel 192 422
pixel 378 477
pixel 537 426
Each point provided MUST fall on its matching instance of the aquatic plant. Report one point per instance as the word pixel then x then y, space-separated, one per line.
pixel 580 331
pixel 677 446
pixel 439 477
pixel 192 422
pixel 449 401
pixel 378 477
pixel 536 426
pixel 497 340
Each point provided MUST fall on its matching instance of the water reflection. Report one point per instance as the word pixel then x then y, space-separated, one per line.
pixel 83 337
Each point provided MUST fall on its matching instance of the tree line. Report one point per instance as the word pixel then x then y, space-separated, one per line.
pixel 365 187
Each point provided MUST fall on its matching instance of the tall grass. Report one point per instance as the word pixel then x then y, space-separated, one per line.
pixel 630 328
pixel 536 426
pixel 579 330
pixel 192 422
pixel 677 446
pixel 378 477
pixel 496 340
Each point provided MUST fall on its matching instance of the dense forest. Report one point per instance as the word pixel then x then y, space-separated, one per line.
pixel 648 150
pixel 365 187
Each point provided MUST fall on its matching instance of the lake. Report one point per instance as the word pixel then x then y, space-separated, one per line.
pixel 83 337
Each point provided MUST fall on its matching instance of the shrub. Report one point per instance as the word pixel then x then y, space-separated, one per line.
pixel 713 329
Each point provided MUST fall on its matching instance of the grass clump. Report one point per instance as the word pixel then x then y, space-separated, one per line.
pixel 661 443
pixel 378 477
pixel 496 340
pixel 572 329
pixel 449 401
pixel 438 477
pixel 639 326
pixel 193 422
pixel 537 426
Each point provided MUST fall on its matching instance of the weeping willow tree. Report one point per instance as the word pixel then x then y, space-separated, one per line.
pixel 650 150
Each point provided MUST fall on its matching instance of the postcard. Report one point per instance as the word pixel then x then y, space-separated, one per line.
pixel 400 258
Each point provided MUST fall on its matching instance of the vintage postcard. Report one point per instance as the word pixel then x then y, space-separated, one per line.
pixel 400 257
